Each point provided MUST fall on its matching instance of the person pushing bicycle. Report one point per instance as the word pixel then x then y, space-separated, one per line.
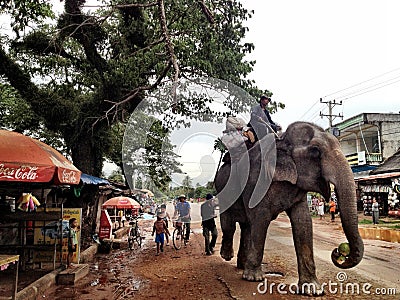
pixel 182 209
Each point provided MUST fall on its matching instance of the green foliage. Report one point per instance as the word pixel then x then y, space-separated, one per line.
pixel 201 191
pixel 219 145
pixel 159 155
pixel 15 113
pixel 116 176
pixel 187 182
pixel 25 12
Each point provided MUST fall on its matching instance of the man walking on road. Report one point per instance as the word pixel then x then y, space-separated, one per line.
pixel 208 223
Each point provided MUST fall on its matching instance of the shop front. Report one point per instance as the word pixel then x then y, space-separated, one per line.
pixel 384 188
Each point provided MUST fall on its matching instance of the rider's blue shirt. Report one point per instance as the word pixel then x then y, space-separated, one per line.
pixel 183 208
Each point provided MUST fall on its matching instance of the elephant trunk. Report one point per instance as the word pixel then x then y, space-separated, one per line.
pixel 343 180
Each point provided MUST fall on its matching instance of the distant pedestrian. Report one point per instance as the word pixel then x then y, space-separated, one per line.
pixel 208 223
pixel 332 209
pixel 120 217
pixel 321 208
pixel 375 211
pixel 159 228
pixel 314 202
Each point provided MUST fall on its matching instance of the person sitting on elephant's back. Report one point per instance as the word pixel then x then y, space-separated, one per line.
pixel 260 118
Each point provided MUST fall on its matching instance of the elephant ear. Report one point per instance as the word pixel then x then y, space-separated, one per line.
pixel 285 169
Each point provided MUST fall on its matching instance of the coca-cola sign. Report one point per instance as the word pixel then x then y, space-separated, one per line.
pixel 69 176
pixel 22 173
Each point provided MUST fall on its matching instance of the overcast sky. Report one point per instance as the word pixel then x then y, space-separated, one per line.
pixel 306 50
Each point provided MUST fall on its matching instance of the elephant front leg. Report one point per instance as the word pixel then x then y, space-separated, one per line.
pixel 303 241
pixel 252 270
pixel 228 226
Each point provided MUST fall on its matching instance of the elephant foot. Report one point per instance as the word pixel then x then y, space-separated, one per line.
pixel 310 288
pixel 253 274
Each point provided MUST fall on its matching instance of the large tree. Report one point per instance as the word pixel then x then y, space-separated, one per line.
pixel 84 72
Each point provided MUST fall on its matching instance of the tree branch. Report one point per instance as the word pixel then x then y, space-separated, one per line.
pixel 207 12
pixel 170 48
pixel 114 109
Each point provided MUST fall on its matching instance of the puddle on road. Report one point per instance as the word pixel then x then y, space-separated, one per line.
pixel 274 274
pixel 271 273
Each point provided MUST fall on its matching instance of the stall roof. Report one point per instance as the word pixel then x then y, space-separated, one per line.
pixel 88 179
pixel 392 164
pixel 379 176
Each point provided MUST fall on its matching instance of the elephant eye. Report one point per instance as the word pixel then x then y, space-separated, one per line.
pixel 315 152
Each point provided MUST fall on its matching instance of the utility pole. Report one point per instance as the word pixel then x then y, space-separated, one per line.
pixel 330 116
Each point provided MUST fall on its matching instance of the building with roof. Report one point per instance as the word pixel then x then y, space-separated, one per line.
pixel 371 144
pixel 368 139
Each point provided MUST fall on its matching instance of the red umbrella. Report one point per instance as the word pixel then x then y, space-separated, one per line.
pixel 121 203
pixel 24 159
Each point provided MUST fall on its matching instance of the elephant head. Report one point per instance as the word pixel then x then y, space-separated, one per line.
pixel 311 159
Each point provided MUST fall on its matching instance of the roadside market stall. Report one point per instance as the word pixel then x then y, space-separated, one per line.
pixel 127 204
pixel 27 165
pixel 5 262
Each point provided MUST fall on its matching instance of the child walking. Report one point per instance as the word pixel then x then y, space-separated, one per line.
pixel 159 228
pixel 165 217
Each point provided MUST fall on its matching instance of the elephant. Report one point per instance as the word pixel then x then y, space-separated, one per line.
pixel 308 159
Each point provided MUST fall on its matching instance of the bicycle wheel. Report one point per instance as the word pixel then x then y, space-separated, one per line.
pixel 177 238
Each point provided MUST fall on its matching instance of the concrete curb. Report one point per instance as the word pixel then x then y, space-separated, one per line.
pixel 39 286
pixel 35 289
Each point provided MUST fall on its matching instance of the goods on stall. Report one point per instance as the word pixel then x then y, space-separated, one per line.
pixel 27 202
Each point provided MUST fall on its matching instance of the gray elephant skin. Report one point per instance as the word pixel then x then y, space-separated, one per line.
pixel 307 160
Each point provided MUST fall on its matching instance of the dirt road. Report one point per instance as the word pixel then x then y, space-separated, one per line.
pixel 189 274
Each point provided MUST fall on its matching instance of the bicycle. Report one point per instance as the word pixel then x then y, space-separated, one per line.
pixel 178 236
pixel 134 236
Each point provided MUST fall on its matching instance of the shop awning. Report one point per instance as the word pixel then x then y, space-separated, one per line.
pixel 88 179
pixel 379 176
pixel 363 168
pixel 25 159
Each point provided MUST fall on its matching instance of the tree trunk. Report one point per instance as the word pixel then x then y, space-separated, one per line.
pixel 87 156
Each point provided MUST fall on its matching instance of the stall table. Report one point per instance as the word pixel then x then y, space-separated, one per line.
pixel 5 261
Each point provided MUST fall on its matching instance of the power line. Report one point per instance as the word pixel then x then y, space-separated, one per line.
pixel 372 89
pixel 309 109
pixel 357 84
